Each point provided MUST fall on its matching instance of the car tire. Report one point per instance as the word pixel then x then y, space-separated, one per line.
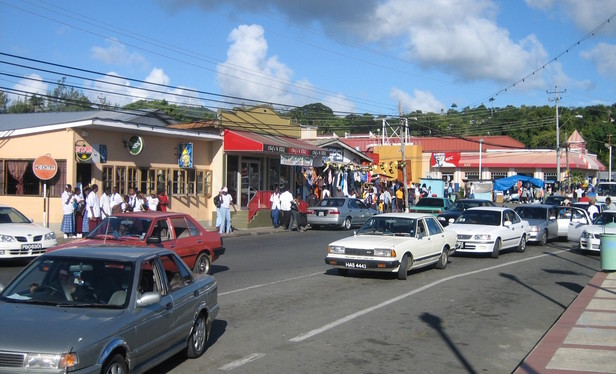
pixel 443 259
pixel 404 268
pixel 497 247
pixel 522 246
pixel 544 239
pixel 115 365
pixel 347 223
pixel 197 341
pixel 203 265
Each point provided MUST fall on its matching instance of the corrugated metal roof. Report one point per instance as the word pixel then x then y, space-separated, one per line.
pixel 448 144
pixel 530 160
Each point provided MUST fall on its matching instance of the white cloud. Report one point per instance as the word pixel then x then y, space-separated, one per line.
pixel 115 53
pixel 585 14
pixel 604 58
pixel 340 104
pixel 32 84
pixel 421 100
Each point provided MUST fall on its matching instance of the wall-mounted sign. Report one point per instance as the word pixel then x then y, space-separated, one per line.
pixel 185 152
pixel 447 159
pixel 135 145
pixel 295 160
pixel 102 150
pixel 45 167
pixel 83 151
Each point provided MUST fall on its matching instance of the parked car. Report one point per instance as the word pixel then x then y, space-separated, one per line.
pixel 104 310
pixel 393 242
pixel 489 230
pixel 555 200
pixel 20 238
pixel 590 240
pixel 605 189
pixel 584 205
pixel 542 220
pixel 176 231
pixel 339 212
pixel 578 220
pixel 459 206
pixel 564 218
pixel 432 205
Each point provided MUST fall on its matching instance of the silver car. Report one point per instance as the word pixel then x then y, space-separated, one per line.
pixel 542 220
pixel 104 310
pixel 339 212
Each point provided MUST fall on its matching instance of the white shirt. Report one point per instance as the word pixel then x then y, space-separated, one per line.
pixel 105 202
pixel 115 199
pixel 593 211
pixel 93 205
pixel 152 203
pixel 139 203
pixel 275 200
pixel 67 203
pixel 285 200
pixel 225 201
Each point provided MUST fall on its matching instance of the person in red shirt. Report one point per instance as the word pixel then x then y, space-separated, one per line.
pixel 163 200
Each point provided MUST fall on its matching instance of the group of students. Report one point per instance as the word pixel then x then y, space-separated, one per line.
pixel 285 210
pixel 83 210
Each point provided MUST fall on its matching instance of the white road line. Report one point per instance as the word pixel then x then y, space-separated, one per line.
pixel 269 284
pixel 360 313
pixel 242 361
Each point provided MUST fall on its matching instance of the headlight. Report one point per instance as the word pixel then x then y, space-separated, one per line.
pixel 483 237
pixel 587 235
pixel 51 361
pixel 336 249
pixel 534 228
pixel 50 236
pixel 7 238
pixel 383 252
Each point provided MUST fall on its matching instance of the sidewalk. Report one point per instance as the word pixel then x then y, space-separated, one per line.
pixel 583 340
pixel 249 232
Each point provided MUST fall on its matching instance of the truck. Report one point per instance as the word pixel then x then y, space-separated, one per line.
pixel 432 205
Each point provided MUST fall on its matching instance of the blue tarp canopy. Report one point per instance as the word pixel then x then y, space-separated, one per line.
pixel 504 184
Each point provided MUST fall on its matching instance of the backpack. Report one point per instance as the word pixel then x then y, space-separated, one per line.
pixel 217 201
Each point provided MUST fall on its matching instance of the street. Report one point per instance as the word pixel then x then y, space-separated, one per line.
pixel 283 310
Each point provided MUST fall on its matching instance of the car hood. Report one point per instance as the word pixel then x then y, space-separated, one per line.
pixel 372 241
pixel 600 229
pixel 23 229
pixel 81 243
pixel 51 329
pixel 470 229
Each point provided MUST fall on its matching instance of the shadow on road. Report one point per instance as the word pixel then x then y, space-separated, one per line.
pixel 575 287
pixel 515 279
pixel 573 262
pixel 436 323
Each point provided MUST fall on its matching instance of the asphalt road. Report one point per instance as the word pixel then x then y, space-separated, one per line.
pixel 284 311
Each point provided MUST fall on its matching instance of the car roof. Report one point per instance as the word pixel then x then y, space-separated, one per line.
pixel 109 253
pixel 491 208
pixel 536 206
pixel 150 214
pixel 465 200
pixel 405 215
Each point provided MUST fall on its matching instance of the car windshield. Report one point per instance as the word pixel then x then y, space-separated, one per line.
pixel 12 215
pixel 555 200
pixel 331 203
pixel 606 189
pixel 72 282
pixel 122 228
pixel 480 217
pixel 395 226
pixel 430 202
pixel 531 212
pixel 463 205
pixel 605 218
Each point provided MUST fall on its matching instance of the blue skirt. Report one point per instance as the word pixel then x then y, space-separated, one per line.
pixel 85 227
pixel 68 224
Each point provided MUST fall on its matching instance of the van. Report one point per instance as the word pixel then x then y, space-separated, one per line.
pixel 605 189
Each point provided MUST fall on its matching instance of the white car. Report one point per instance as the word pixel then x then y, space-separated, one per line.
pixel 490 230
pixel 590 240
pixel 20 238
pixel 395 243
pixel 578 221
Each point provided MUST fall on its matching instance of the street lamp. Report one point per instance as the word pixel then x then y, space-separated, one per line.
pixel 480 147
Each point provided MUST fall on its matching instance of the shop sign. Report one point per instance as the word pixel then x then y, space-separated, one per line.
pixel 294 150
pixel 45 167
pixel 83 151
pixel 446 159
pixel 295 160
pixel 185 152
pixel 275 148
pixel 135 145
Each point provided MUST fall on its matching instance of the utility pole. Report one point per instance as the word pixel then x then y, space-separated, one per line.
pixel 556 99
pixel 567 153
pixel 609 145
pixel 404 133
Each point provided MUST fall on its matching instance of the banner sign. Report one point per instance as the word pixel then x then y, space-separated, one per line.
pixel 294 160
pixel 293 150
pixel 185 150
pixel 444 160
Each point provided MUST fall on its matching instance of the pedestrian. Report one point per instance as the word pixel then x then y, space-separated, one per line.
pixel 85 226
pixel 294 216
pixel 132 200
pixel 225 203
pixel 217 201
pixel 399 199
pixel 116 201
pixel 312 200
pixel 68 212
pixel 93 208
pixel 608 202
pixel 592 209
pixel 285 207
pixel 105 203
pixel 79 206
pixel 153 201
pixel 275 202
pixel 140 202
pixel 163 200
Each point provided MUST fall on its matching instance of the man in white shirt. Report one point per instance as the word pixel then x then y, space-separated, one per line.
pixel 275 200
pixel 152 202
pixel 285 206
pixel 94 208
pixel 105 202
pixel 592 209
pixel 115 201
pixel 226 201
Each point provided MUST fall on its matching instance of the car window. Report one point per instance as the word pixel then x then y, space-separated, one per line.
pixel 433 227
pixel 180 227
pixel 605 218
pixel 421 229
pixel 176 276
pixel 194 231
pixel 361 204
pixel 577 214
pixel 353 204
pixel 150 278
pixel 553 213
pixel 161 230
pixel 331 203
pixel 531 212
pixel 480 217
pixel 12 215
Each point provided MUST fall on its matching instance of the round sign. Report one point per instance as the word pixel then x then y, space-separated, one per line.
pixel 45 167
pixel 83 150
pixel 135 145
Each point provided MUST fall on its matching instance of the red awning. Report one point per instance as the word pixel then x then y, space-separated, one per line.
pixel 244 141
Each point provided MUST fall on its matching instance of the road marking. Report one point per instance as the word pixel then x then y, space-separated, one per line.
pixel 269 284
pixel 360 313
pixel 242 361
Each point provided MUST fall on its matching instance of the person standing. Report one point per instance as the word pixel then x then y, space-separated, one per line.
pixel 163 200
pixel 610 205
pixel 294 215
pixel 105 202
pixel 399 199
pixel 132 199
pixel 115 202
pixel 217 201
pixel 225 203
pixel 79 206
pixel 285 207
pixel 68 212
pixel 93 207
pixel 153 201
pixel 275 201
pixel 592 209
pixel 85 226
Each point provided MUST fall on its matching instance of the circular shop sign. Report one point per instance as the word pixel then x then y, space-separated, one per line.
pixel 83 150
pixel 45 167
pixel 135 145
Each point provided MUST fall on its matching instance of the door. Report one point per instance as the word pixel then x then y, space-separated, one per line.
pixel 511 237
pixel 251 180
pixel 579 221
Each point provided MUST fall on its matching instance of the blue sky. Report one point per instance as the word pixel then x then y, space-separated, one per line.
pixel 356 56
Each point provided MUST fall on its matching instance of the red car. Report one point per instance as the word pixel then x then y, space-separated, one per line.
pixel 178 232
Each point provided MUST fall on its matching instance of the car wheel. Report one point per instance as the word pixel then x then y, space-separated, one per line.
pixel 544 240
pixel 197 341
pixel 522 246
pixel 116 365
pixel 202 264
pixel 404 268
pixel 497 247
pixel 347 223
pixel 443 260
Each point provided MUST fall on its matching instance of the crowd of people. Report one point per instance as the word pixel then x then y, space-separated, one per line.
pixel 83 210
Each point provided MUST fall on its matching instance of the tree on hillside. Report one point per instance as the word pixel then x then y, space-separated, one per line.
pixel 4 101
pixel 177 112
pixel 65 98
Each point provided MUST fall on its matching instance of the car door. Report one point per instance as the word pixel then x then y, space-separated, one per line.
pixel 424 247
pixel 563 219
pixel 514 232
pixel 364 211
pixel 437 237
pixel 552 222
pixel 578 222
pixel 187 242
pixel 353 211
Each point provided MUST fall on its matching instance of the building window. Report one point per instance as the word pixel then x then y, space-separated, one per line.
pixel 498 175
pixel 19 179
pixel 183 181
pixel 472 175
pixel 131 178
pixel 178 182
pixel 204 182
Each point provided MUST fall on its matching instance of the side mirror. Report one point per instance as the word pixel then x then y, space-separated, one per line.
pixel 507 224
pixel 153 239
pixel 148 298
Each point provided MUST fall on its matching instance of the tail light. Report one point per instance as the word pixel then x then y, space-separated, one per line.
pixel 334 211
pixel 309 211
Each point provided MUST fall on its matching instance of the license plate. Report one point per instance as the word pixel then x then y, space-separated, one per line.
pixel 355 265
pixel 320 214
pixel 31 246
